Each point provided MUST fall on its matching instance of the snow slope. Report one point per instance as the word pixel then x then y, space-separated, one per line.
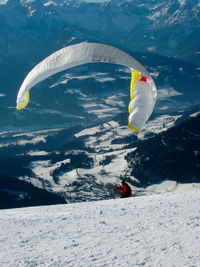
pixel 157 230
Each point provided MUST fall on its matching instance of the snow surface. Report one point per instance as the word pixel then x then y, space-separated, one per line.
pixel 157 230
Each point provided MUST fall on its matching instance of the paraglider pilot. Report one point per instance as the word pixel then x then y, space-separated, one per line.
pixel 126 190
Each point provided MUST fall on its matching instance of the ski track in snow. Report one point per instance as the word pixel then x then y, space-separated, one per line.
pixel 157 230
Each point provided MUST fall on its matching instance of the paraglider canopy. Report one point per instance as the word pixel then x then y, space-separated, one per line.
pixel 142 89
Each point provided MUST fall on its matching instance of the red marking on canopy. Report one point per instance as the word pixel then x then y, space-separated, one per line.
pixel 143 79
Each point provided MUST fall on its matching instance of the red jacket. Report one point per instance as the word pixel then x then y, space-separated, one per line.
pixel 126 190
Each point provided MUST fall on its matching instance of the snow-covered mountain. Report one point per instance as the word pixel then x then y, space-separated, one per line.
pixel 159 230
pixel 84 165
pixel 165 27
pixel 73 136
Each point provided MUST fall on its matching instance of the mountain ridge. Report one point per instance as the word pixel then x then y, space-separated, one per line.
pixel 150 24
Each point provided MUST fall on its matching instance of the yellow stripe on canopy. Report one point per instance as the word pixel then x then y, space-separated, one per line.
pixel 135 75
pixel 25 103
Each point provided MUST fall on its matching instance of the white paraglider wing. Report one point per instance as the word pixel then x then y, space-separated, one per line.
pixel 83 53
